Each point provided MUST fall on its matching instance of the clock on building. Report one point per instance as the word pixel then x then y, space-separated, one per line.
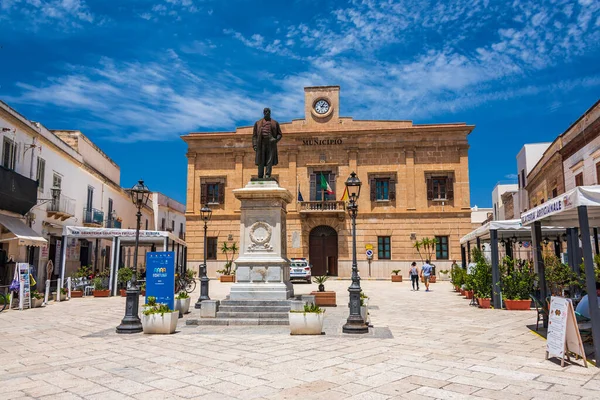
pixel 322 106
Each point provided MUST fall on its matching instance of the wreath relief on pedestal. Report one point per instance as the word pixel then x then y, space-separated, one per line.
pixel 260 236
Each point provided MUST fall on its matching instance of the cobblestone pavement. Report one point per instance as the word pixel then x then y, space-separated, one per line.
pixel 423 346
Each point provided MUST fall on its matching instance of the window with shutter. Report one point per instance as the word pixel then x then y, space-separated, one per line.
pixel 41 173
pixel 392 193
pixel 331 181
pixel 373 189
pixel 203 194
pixel 313 187
pixel 450 188
pixel 221 196
pixel 429 188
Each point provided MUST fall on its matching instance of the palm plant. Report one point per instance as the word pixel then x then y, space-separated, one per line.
pixel 425 248
pixel 226 249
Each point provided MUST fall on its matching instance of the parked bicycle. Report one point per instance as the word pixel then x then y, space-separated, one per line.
pixel 185 282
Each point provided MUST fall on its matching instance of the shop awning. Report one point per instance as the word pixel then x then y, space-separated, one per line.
pixel 512 227
pixel 15 229
pixel 562 210
pixel 126 235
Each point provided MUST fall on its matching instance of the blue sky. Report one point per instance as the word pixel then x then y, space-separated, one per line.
pixel 135 75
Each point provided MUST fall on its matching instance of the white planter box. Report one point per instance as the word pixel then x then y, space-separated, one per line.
pixel 183 306
pixel 364 313
pixel 444 277
pixel 35 303
pixel 302 323
pixel 63 297
pixel 161 324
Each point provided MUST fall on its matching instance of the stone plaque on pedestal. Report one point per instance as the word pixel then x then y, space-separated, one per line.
pixel 262 268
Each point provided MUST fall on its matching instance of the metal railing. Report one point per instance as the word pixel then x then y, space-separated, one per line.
pixel 93 216
pixel 62 204
pixel 113 223
pixel 327 205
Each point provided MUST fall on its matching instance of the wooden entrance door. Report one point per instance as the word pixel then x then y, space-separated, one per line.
pixel 323 254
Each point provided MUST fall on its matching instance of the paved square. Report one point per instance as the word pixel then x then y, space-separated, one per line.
pixel 423 346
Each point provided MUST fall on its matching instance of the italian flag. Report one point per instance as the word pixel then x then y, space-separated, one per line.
pixel 325 186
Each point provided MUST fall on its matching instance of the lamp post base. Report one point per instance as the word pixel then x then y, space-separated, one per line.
pixel 131 323
pixel 203 291
pixel 355 325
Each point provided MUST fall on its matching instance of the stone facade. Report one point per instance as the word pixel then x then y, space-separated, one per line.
pixel 509 205
pixel 410 158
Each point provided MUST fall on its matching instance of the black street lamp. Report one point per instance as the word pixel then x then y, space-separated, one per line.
pixel 131 322
pixel 355 322
pixel 205 214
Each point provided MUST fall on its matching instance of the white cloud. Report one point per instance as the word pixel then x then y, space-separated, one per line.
pixel 511 176
pixel 63 14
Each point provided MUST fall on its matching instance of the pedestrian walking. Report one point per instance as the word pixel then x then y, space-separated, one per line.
pixel 414 275
pixel 426 274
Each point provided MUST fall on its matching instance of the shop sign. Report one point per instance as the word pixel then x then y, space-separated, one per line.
pixel 322 142
pixel 160 277
pixel 550 208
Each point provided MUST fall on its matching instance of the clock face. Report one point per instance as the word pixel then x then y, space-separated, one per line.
pixel 322 106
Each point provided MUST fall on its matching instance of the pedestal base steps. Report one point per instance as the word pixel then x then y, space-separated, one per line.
pixel 253 312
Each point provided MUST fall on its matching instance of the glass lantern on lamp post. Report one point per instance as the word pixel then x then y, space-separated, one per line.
pixel 131 322
pixel 355 323
pixel 205 214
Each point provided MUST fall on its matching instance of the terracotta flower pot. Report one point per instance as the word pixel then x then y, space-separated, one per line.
pixel 227 278
pixel 517 304
pixel 456 289
pixel 432 279
pixel 484 303
pixel 123 292
pixel 325 299
pixel 396 278
pixel 462 292
pixel 76 293
pixel 101 293
pixel 468 294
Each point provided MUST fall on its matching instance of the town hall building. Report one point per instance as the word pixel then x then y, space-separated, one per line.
pixel 415 184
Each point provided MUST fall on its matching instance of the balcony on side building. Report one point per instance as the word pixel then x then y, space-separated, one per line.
pixel 93 218
pixel 61 208
pixel 17 192
pixel 114 223
pixel 327 208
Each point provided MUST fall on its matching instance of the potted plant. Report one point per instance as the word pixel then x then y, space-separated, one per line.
pixel 322 297
pixel 482 279
pixel 123 277
pixel 458 277
pixel 100 287
pixel 37 299
pixel 559 276
pixel 226 273
pixel 143 289
pixel 158 318
pixel 307 322
pixel 517 283
pixel 182 303
pixel 396 277
pixel 364 306
pixel 444 274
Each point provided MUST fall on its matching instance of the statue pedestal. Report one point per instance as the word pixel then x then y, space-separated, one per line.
pixel 262 268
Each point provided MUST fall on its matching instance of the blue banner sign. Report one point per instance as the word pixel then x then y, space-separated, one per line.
pixel 160 277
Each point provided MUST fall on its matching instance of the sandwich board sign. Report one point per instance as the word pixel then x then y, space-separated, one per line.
pixel 563 333
pixel 160 277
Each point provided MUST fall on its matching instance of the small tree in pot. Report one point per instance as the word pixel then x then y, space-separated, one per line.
pixel 396 277
pixel 123 277
pixel 482 279
pixel 517 283
pixel 308 321
pixel 226 272
pixel 323 298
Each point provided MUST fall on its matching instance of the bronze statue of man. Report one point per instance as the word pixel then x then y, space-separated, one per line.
pixel 265 136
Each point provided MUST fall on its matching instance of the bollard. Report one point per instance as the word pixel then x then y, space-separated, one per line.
pixel 47 292
pixel 69 288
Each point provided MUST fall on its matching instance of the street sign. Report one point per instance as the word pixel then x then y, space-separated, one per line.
pixel 369 246
pixel 370 253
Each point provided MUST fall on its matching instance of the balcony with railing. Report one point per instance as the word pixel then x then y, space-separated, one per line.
pixel 113 223
pixel 323 208
pixel 17 192
pixel 93 218
pixel 62 208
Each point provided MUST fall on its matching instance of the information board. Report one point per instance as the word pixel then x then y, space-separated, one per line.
pixel 23 271
pixel 563 333
pixel 160 277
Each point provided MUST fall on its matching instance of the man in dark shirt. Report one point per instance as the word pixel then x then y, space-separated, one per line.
pixel 265 136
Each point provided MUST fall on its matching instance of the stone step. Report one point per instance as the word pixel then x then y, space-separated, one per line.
pixel 260 315
pixel 256 303
pixel 283 309
pixel 237 321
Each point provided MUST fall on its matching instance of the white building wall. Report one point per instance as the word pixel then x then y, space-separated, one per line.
pixel 583 161
pixel 172 211
pixel 527 158
pixel 497 203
